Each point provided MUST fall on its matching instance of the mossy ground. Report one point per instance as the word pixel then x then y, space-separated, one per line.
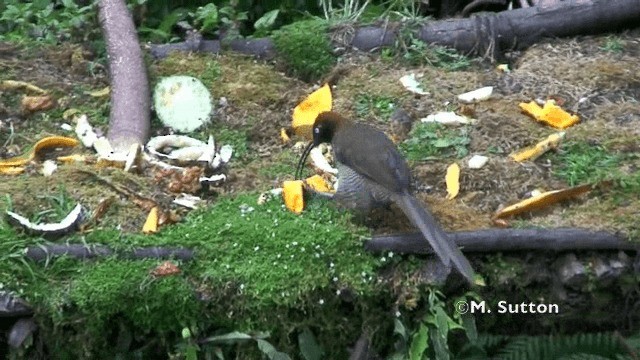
pixel 305 48
pixel 237 280
pixel 250 260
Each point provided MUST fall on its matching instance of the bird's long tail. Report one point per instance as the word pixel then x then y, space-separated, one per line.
pixel 444 247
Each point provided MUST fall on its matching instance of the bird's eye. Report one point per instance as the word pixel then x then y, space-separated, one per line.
pixel 316 130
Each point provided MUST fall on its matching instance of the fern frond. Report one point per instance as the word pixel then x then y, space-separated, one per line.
pixel 580 346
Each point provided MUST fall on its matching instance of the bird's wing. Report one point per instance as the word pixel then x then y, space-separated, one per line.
pixel 373 155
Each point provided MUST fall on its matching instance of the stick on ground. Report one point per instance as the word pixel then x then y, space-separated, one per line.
pixel 495 240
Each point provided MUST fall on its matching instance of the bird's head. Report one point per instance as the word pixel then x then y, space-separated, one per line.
pixel 324 128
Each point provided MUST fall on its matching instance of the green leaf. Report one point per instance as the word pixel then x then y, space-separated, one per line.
pixel 208 16
pixel 171 19
pixel 219 353
pixel 442 322
pixel 271 351
pixel 440 346
pixel 469 324
pixel 234 337
pixel 267 20
pixel 398 328
pixel 241 16
pixel 309 347
pixel 442 143
pixel 191 353
pixel 419 344
pixel 69 4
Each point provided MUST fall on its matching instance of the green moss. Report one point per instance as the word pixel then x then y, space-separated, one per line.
pixel 203 67
pixel 268 253
pixel 306 48
pixel 116 287
pixel 258 267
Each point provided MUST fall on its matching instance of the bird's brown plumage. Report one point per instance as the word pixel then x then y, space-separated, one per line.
pixel 371 171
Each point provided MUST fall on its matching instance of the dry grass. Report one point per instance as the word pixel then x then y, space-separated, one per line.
pixel 602 87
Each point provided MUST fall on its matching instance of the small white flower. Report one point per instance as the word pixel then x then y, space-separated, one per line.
pixel 321 302
pixel 235 244
pixel 317 255
pixel 241 286
pixel 338 292
pixel 331 265
pixel 295 243
pixel 278 256
pixel 256 248
pixel 398 314
pixel 335 279
pixel 383 259
pixel 390 255
pixel 302 249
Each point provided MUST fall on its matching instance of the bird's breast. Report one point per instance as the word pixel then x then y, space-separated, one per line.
pixel 357 192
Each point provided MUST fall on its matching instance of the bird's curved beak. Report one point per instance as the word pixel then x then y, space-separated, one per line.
pixel 303 159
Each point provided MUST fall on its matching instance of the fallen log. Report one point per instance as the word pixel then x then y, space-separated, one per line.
pixel 13 306
pixel 21 331
pixel 502 240
pixel 261 48
pixel 488 34
pixel 81 251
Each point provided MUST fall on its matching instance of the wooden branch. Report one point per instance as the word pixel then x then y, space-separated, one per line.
pixel 362 349
pixel 130 97
pixel 156 252
pixel 495 240
pixel 483 35
pixel 491 34
pixel 22 330
pixel 261 48
pixel 81 251
pixel 13 306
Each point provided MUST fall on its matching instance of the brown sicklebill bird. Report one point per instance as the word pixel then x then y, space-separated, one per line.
pixel 371 173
